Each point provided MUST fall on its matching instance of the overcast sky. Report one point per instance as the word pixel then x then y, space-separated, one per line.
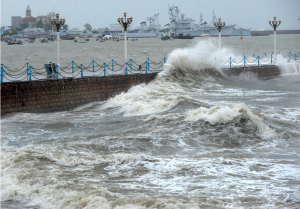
pixel 253 14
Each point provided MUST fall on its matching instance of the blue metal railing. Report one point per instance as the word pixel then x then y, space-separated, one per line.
pixel 257 60
pixel 73 70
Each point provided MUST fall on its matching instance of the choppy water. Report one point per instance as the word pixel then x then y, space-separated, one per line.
pixel 189 139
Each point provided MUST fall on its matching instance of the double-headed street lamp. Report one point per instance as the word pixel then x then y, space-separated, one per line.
pixel 274 24
pixel 57 23
pixel 219 25
pixel 125 22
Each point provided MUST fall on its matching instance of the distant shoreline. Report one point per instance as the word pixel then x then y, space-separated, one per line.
pixel 271 32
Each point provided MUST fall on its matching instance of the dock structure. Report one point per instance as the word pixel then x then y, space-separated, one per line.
pixel 53 89
pixel 270 32
pixel 64 94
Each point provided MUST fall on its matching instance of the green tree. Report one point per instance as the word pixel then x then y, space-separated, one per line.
pixel 48 26
pixel 13 32
pixel 66 27
pixel 88 26
pixel 40 23
pixel 24 25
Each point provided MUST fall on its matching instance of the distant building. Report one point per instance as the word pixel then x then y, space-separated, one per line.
pixel 35 31
pixel 28 11
pixel 16 22
pixel 45 19
pixel 6 29
pixel 30 20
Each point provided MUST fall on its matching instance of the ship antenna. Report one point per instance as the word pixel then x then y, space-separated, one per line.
pixel 201 20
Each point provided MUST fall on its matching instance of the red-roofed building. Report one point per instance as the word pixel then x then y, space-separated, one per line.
pixel 30 20
pixel 18 22
pixel 45 19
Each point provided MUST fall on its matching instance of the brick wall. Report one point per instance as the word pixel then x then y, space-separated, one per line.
pixel 64 94
pixel 264 72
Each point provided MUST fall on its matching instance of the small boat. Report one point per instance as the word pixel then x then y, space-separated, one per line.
pixel 44 40
pixel 181 36
pixel 14 41
pixel 134 39
pixel 204 35
pixel 81 40
pixel 164 38
pixel 51 38
pixel 32 37
pixel 76 39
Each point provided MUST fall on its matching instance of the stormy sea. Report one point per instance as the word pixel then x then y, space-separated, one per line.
pixel 190 139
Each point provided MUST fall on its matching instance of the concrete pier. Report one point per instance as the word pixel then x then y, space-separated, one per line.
pixel 64 94
pixel 263 72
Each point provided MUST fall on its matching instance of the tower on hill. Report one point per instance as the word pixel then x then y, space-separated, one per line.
pixel 28 11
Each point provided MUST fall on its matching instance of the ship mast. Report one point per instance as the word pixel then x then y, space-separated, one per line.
pixel 214 17
pixel 201 19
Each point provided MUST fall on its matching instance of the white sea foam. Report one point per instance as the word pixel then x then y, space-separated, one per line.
pixel 167 90
pixel 25 178
pixel 289 68
pixel 200 56
pixel 226 114
pixel 143 99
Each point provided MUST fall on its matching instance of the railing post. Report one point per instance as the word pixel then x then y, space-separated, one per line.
pixel 146 66
pixel 125 68
pixel 28 70
pixel 104 71
pixel 258 60
pixel 29 73
pixel 164 60
pixel 290 55
pixel 93 66
pixel 230 62
pixel 271 59
pixel 1 72
pixel 72 66
pixel 112 64
pixel 253 56
pixel 295 57
pixel 56 72
pixel 265 55
pixel 148 63
pixel 81 66
pixel 130 65
pixel 244 61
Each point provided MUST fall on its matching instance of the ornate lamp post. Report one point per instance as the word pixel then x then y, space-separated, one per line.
pixel 57 23
pixel 219 25
pixel 274 24
pixel 125 22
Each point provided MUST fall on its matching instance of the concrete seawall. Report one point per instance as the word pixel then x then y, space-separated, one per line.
pixel 64 94
pixel 263 72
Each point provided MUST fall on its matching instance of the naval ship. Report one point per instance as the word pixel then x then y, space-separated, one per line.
pixel 179 24
pixel 239 31
pixel 144 31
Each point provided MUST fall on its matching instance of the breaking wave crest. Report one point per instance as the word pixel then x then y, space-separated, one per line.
pixel 184 67
pixel 289 68
pixel 227 114
pixel 25 177
pixel 239 114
